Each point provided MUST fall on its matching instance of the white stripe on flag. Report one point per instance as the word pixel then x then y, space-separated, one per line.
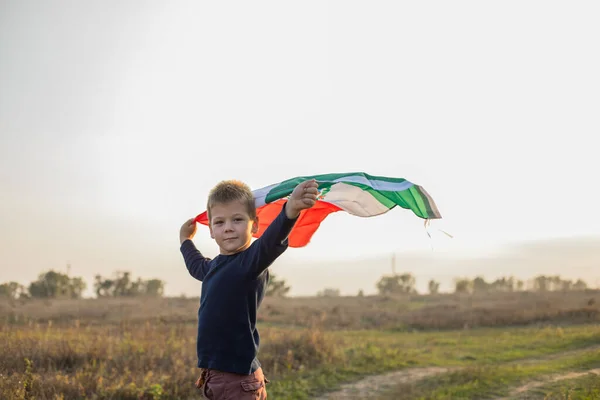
pixel 261 194
pixel 354 200
pixel 377 184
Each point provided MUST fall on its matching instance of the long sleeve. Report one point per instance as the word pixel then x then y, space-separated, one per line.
pixel 272 243
pixel 197 265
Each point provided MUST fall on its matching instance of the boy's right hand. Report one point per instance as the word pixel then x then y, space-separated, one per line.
pixel 188 230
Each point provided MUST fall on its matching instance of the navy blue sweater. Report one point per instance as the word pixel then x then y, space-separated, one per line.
pixel 233 287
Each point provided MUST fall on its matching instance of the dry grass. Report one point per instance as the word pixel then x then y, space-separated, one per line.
pixel 145 348
pixel 146 361
pixel 99 311
pixel 444 311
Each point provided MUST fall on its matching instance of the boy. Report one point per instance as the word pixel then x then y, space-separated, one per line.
pixel 234 284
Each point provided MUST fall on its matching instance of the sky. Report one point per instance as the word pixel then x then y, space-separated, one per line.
pixel 117 118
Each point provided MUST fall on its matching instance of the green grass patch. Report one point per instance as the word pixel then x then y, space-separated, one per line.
pixel 489 381
pixel 158 360
pixel 365 353
pixel 586 387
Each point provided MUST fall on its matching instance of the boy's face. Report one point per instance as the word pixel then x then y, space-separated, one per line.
pixel 231 227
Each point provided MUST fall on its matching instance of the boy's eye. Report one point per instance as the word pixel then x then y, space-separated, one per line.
pixel 238 219
pixel 218 222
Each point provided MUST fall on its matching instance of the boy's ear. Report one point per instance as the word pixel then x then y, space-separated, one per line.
pixel 212 235
pixel 255 225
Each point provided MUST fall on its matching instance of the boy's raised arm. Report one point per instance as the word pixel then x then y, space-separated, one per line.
pixel 196 263
pixel 274 241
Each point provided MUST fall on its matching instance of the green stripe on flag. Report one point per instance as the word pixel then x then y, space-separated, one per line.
pixel 430 208
pixel 421 206
pixel 286 187
pixel 411 197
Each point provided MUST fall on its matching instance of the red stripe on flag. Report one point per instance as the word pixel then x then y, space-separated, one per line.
pixel 304 228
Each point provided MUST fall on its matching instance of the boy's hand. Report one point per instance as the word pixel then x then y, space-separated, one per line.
pixel 304 196
pixel 188 230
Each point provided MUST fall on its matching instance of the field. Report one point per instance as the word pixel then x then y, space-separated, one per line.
pixel 447 346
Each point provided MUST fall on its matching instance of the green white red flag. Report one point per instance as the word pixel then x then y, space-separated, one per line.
pixel 356 193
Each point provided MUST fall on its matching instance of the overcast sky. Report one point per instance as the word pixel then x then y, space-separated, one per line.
pixel 116 119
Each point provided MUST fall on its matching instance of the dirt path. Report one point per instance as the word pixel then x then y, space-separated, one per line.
pixel 365 388
pixel 516 393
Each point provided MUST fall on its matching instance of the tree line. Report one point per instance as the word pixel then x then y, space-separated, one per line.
pixel 405 283
pixel 54 284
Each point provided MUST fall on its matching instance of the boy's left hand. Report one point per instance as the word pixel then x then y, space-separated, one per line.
pixel 304 196
pixel 187 230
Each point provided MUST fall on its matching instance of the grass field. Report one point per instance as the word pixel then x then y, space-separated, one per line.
pixel 145 348
pixel 586 387
pixel 494 380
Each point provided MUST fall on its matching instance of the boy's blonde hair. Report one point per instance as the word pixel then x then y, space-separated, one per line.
pixel 232 190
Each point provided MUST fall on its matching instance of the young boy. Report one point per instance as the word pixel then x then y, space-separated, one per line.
pixel 234 284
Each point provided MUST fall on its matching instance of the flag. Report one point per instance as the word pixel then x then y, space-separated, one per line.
pixel 355 193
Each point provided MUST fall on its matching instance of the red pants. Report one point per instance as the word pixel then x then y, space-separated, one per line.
pixel 217 385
